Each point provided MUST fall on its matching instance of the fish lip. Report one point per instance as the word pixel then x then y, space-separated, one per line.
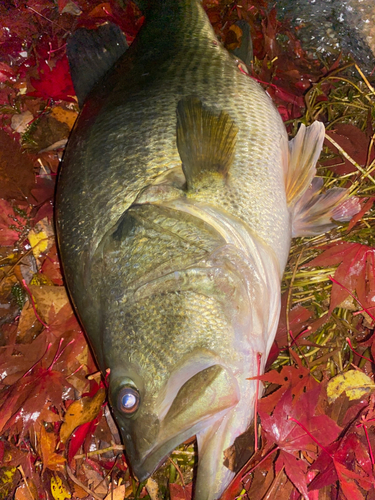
pixel 145 467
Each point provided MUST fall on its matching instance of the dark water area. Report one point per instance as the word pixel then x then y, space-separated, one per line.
pixel 328 27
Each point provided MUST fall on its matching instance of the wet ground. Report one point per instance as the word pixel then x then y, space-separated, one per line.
pixel 327 27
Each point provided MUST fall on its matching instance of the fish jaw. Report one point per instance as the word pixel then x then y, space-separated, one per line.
pixel 200 402
pixel 213 477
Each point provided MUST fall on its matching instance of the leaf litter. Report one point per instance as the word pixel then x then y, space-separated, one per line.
pixel 57 437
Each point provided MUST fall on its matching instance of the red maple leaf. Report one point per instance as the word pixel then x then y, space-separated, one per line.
pixel 54 83
pixel 294 427
pixel 22 404
pixel 11 224
pixel 356 272
pixel 296 379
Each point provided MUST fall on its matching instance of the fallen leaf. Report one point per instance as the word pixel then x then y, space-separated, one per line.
pixel 16 170
pixel 47 297
pixel 41 238
pixel 51 460
pixel 12 224
pixel 356 272
pixel 65 115
pixel 81 412
pixel 353 382
pixel 54 83
pixel 24 492
pixel 20 122
pixel 117 493
pixel 354 142
pixel 28 325
pixel 152 488
pixel 58 489
pixel 178 492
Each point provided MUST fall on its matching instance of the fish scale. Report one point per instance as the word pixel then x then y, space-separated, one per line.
pixel 157 356
pixel 203 70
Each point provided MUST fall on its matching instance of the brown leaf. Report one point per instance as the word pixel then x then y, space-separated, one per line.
pixel 28 326
pixel 118 493
pixel 25 492
pixel 16 170
pixel 80 412
pixel 47 296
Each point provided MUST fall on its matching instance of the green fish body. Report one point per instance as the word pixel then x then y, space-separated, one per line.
pixel 176 203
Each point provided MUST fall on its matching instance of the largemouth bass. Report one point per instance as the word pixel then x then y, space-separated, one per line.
pixel 176 204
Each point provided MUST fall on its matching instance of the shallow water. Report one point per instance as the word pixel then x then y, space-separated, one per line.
pixel 328 27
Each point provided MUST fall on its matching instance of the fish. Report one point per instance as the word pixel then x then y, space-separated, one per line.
pixel 176 202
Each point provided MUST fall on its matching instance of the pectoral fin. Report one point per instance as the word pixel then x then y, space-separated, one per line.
pixel 206 141
pixel 312 211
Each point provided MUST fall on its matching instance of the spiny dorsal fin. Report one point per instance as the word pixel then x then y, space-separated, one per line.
pixel 206 141
pixel 91 53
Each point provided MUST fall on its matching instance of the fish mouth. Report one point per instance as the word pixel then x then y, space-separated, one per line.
pixel 144 468
pixel 200 404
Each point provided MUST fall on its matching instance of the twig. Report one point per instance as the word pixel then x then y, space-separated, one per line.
pixel 115 447
pixel 25 479
pixel 178 471
pixel 81 485
pixel 349 158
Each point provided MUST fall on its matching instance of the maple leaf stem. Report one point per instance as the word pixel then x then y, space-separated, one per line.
pixel 355 313
pixel 355 352
pixel 369 444
pixel 46 18
pixel 256 444
pixel 60 352
pixel 311 436
pixel 298 336
pixel 178 471
pixel 33 305
pixel 39 360
pixel 354 297
pixel 75 371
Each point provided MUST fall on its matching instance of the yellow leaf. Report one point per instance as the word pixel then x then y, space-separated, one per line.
pixel 40 279
pixel 41 237
pixel 354 383
pixel 64 115
pixel 51 460
pixel 58 490
pixel 80 412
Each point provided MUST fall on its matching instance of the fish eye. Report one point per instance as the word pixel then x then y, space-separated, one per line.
pixel 128 400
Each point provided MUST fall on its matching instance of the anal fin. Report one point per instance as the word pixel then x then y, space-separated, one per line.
pixel 91 53
pixel 312 211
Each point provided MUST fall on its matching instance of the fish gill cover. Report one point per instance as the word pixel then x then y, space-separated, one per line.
pixel 315 427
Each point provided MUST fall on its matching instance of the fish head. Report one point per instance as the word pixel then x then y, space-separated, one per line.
pixel 197 395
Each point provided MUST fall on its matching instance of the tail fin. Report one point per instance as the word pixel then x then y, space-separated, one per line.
pixel 312 212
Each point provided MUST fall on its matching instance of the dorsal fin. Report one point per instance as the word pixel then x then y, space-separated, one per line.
pixel 91 53
pixel 206 141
